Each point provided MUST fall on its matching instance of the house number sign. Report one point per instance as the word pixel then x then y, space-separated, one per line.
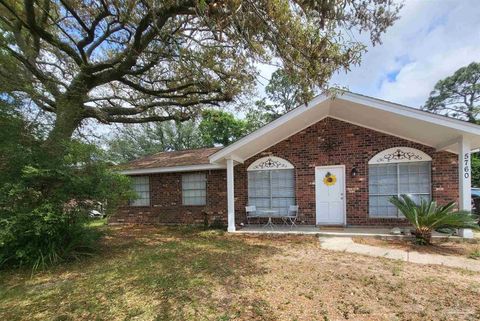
pixel 466 167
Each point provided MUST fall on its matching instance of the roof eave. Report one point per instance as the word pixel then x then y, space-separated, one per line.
pixel 410 111
pixel 172 169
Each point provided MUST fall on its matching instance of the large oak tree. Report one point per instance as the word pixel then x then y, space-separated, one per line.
pixel 131 61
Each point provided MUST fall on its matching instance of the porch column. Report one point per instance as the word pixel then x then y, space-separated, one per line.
pixel 464 181
pixel 230 196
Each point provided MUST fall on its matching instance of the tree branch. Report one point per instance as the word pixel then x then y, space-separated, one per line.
pixel 49 83
pixel 163 93
pixel 147 119
pixel 40 32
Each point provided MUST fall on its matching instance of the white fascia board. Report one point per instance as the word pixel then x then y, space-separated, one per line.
pixel 411 112
pixel 265 129
pixel 172 169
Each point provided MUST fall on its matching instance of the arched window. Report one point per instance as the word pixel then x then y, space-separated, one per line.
pixel 396 171
pixel 271 184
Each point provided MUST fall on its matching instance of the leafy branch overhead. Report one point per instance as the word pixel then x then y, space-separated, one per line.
pixel 139 61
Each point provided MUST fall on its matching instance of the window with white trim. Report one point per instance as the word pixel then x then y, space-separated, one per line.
pixel 271 184
pixel 393 176
pixel 141 186
pixel 194 189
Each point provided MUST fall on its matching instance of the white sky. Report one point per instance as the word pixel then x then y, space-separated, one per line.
pixel 430 41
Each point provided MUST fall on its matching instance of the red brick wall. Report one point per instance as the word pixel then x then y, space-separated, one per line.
pixel 328 142
pixel 334 142
pixel 166 202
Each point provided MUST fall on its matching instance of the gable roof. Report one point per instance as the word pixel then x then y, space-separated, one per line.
pixel 409 123
pixel 174 161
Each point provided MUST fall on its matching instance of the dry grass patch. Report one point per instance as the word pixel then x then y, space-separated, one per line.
pixel 191 274
pixel 465 248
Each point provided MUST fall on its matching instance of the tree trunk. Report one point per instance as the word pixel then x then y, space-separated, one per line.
pixel 423 236
pixel 69 115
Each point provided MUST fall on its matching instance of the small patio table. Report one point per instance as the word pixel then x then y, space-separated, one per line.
pixel 270 213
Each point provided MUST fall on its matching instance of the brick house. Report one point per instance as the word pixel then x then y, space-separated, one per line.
pixel 337 159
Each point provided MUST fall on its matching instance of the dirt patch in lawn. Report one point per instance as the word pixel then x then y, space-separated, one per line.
pixel 456 248
pixel 183 273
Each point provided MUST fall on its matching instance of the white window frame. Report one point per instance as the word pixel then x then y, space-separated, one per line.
pixel 269 164
pixel 136 202
pixel 184 189
pixel 398 156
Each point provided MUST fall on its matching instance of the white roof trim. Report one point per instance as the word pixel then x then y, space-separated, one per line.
pixel 463 128
pixel 172 169
pixel 412 112
pixel 268 163
pixel 399 155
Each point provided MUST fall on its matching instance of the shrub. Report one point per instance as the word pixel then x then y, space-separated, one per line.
pixel 43 236
pixel 43 213
pixel 45 198
pixel 428 216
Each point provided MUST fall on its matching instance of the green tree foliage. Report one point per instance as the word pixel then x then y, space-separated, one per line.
pixel 457 96
pixel 135 140
pixel 220 127
pixel 139 61
pixel 285 92
pixel 259 115
pixel 475 169
pixel 15 137
pixel 214 127
pixel 44 201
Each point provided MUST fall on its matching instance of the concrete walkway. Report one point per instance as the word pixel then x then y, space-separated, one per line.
pixel 383 233
pixel 346 244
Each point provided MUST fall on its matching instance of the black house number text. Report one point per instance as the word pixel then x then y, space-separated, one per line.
pixel 466 167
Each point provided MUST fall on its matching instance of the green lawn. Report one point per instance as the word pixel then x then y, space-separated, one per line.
pixel 191 274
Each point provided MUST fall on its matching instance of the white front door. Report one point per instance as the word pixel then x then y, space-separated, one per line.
pixel 330 195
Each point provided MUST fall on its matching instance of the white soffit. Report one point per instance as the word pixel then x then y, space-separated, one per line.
pixel 389 118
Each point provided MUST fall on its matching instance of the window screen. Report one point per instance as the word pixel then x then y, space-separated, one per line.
pixel 271 189
pixel 387 180
pixel 194 189
pixel 141 186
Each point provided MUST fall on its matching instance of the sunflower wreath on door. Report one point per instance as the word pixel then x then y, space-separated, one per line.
pixel 329 179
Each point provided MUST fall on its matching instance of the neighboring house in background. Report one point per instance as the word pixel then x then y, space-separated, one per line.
pixel 338 159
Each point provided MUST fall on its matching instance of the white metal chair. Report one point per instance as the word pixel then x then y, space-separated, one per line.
pixel 251 211
pixel 292 215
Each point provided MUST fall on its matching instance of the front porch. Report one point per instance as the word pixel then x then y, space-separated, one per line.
pixel 335 162
pixel 377 232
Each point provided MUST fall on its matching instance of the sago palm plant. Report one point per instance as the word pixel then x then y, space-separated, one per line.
pixel 428 216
